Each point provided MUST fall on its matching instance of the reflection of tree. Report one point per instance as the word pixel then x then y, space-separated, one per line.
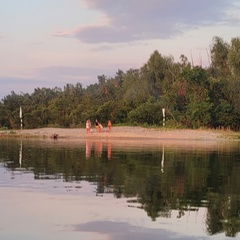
pixel 224 198
pixel 153 201
pixel 231 222
pixel 214 216
pixel 191 178
pixel 223 215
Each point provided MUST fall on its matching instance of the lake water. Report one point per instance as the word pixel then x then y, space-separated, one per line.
pixel 117 190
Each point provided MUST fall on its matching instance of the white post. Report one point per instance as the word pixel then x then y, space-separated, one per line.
pixel 20 115
pixel 163 112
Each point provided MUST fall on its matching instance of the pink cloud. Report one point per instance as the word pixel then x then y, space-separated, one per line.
pixel 2 36
pixel 62 34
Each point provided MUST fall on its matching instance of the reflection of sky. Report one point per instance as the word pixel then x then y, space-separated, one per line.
pixel 54 209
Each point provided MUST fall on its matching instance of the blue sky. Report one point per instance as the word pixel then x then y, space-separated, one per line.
pixel 48 43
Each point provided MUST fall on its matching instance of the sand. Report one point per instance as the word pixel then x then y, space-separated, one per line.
pixel 126 132
pixel 131 137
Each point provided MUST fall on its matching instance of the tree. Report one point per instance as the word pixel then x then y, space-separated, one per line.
pixel 154 73
pixel 199 106
pixel 219 57
pixel 10 110
pixel 234 56
pixel 134 88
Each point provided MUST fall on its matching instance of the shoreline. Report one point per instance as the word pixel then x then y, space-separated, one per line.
pixel 124 132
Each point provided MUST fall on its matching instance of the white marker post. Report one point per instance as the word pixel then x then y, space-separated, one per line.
pixel 20 115
pixel 163 112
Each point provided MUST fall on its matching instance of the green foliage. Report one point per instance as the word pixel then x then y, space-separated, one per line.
pixel 223 114
pixel 234 56
pixel 219 57
pixel 199 113
pixel 149 113
pixel 193 96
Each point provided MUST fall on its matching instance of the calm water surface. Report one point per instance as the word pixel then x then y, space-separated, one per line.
pixel 102 190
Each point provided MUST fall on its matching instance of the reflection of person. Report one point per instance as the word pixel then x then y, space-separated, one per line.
pixel 88 125
pixel 88 149
pixel 109 125
pixel 109 151
pixel 98 148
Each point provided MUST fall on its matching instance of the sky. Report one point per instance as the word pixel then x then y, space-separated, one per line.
pixel 50 43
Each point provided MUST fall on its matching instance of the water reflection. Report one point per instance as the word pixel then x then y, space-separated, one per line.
pixel 20 154
pixel 109 150
pixel 165 181
pixel 88 149
pixel 162 162
pixel 97 147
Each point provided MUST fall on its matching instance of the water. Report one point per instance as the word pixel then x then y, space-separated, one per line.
pixel 102 190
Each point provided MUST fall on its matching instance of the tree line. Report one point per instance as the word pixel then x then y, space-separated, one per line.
pixel 193 96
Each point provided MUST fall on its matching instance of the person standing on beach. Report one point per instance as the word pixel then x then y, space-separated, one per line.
pixel 88 126
pixel 100 128
pixel 97 125
pixel 109 125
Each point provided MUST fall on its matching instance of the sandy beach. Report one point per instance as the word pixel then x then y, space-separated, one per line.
pixel 127 132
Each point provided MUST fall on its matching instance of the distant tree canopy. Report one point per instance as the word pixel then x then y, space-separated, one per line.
pixel 193 96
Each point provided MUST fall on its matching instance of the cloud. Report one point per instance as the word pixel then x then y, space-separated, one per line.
pixel 62 34
pixel 2 36
pixel 110 47
pixel 19 85
pixel 67 72
pixel 135 20
pixel 122 230
pixel 51 77
pixel 233 15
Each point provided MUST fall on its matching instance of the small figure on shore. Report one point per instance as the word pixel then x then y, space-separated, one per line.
pixel 109 125
pixel 88 126
pixel 98 126
pixel 54 136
